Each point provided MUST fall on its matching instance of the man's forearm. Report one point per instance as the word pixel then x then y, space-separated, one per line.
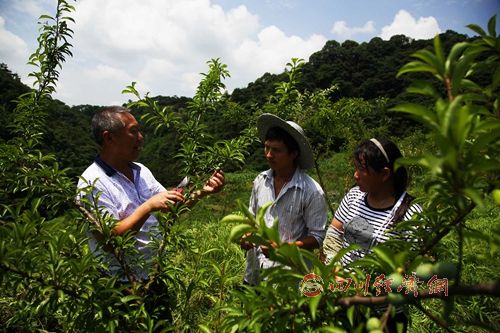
pixel 307 242
pixel 134 221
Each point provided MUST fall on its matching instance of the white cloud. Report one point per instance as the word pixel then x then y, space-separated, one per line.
pixel 100 84
pixel 272 50
pixel 14 51
pixel 105 73
pixel 165 44
pixel 31 7
pixel 341 29
pixel 405 24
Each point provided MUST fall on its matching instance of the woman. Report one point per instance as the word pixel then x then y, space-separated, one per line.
pixel 372 207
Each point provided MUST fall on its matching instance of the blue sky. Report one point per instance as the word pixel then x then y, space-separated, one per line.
pixel 164 45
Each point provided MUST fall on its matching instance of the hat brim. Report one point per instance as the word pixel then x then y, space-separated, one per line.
pixel 267 121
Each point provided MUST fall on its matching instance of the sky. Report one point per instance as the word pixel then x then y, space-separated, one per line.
pixel 164 45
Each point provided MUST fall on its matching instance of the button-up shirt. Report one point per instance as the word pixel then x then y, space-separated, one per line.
pixel 120 197
pixel 300 208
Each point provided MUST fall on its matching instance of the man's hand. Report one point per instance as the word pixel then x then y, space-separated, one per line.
pixel 163 200
pixel 215 183
pixel 244 244
pixel 159 201
pixel 265 248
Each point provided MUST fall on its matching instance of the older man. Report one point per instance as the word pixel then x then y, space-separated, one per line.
pixel 128 190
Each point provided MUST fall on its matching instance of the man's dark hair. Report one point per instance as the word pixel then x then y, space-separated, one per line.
pixel 107 119
pixel 279 134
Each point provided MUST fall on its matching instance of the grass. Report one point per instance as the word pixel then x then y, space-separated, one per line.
pixel 214 266
pixel 481 263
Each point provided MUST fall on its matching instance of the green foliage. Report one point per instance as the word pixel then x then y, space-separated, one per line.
pixel 462 171
pixel 50 280
pixel 158 117
pixel 363 71
pixel 348 120
pixel 199 153
pixel 286 97
pixel 28 173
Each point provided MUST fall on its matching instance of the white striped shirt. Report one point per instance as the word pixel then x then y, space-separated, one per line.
pixel 364 225
pixel 300 208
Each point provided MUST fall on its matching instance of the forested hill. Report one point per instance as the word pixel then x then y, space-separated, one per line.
pixel 367 71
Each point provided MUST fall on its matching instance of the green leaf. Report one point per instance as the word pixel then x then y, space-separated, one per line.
pixel 238 231
pixel 244 210
pixel 486 165
pixel 204 328
pixel 477 29
pixel 273 232
pixel 461 68
pixel 420 112
pixel 262 211
pixel 483 140
pixel 350 314
pixel 313 305
pixel 386 255
pixel 46 17
pixel 475 196
pixel 455 52
pixel 129 298
pixel 492 23
pixel 234 218
pixel 424 88
pixel 293 257
pixel 496 196
pixel 416 66
pixel 440 60
pixel 429 58
pixel 461 125
pixel 332 330
pixel 344 251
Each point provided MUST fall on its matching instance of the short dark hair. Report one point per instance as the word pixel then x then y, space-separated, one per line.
pixel 107 119
pixel 279 134
pixel 374 158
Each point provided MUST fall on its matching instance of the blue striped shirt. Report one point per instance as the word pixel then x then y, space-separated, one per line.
pixel 300 208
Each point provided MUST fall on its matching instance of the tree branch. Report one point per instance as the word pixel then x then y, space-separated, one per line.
pixel 430 245
pixel 40 280
pixel 435 319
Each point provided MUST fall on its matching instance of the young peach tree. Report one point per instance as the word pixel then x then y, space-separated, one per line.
pixel 462 177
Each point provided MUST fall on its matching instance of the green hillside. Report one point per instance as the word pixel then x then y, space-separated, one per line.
pixel 442 107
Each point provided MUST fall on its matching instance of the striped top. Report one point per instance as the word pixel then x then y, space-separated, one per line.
pixel 300 208
pixel 364 225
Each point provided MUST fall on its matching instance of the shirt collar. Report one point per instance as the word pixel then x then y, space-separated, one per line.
pixel 295 181
pixel 108 169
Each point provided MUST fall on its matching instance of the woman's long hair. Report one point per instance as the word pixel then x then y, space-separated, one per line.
pixel 373 157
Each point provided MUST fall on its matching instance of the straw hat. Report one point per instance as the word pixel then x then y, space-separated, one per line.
pixel 267 121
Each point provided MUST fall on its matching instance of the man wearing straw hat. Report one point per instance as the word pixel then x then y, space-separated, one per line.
pixel 298 200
